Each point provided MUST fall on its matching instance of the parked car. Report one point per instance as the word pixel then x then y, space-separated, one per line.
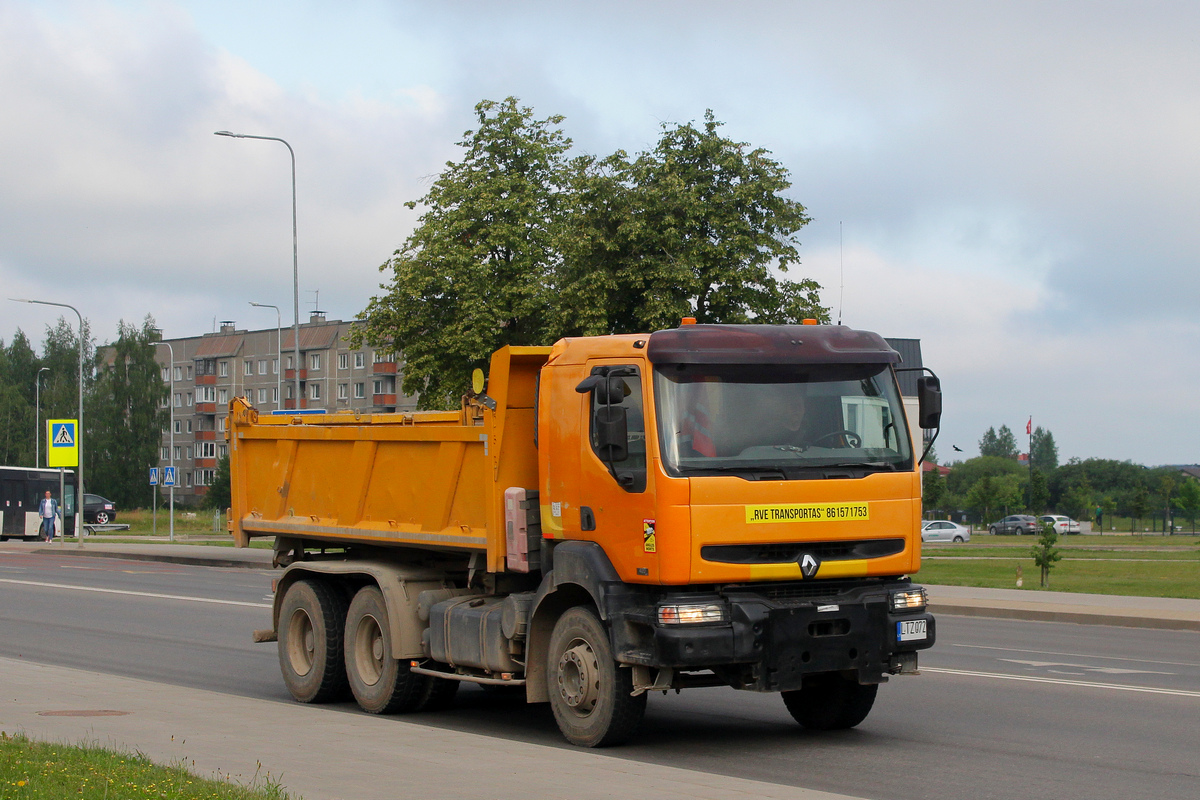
pixel 98 510
pixel 1015 523
pixel 1062 525
pixel 941 530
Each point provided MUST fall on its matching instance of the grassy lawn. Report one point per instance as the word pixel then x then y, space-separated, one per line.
pixel 1139 568
pixel 32 770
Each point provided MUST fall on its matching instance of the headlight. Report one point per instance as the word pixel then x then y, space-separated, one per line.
pixel 910 599
pixel 691 613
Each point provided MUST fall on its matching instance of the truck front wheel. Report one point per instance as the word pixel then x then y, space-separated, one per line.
pixel 590 694
pixel 311 619
pixel 381 683
pixel 830 702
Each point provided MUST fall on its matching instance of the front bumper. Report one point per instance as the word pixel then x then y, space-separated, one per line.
pixel 778 633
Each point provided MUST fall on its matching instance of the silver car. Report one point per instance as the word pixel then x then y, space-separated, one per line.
pixel 941 530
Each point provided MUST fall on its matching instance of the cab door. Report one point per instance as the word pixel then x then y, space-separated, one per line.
pixel 617 488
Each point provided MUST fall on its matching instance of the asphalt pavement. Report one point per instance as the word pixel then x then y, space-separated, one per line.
pixel 320 753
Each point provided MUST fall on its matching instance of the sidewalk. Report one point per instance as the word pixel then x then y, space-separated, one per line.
pixel 1029 604
pixel 323 753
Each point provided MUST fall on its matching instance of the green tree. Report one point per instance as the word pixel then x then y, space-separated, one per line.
pixel 1189 499
pixel 994 492
pixel 999 444
pixel 220 493
pixel 520 245
pixel 1039 492
pixel 1043 452
pixel 963 476
pixel 1139 504
pixel 125 416
pixel 60 385
pixel 933 490
pixel 1045 554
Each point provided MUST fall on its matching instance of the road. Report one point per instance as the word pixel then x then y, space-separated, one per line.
pixel 1003 709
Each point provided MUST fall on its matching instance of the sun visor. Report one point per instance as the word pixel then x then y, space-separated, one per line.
pixel 768 344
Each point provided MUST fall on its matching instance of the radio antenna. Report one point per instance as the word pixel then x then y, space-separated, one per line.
pixel 841 273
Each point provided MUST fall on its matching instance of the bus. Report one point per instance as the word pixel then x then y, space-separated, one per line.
pixel 20 490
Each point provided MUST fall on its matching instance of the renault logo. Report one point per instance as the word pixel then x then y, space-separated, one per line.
pixel 809 565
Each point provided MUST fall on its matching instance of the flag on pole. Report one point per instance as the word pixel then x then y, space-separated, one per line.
pixel 1029 426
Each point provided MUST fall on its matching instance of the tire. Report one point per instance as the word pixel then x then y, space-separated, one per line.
pixel 959 539
pixel 311 621
pixel 992 530
pixel 102 518
pixel 829 702
pixel 591 695
pixel 380 683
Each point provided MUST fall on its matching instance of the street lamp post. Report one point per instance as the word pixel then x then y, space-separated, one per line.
pixel 37 418
pixel 171 434
pixel 278 354
pixel 78 423
pixel 295 260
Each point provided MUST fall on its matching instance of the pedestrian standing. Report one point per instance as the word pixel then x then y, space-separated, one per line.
pixel 48 511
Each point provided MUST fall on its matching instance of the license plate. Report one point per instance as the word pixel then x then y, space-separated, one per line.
pixel 911 630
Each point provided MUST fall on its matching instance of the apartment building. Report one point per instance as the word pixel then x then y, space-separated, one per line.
pixel 207 371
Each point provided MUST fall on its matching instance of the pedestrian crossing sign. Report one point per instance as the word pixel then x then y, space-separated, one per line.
pixel 63 448
pixel 168 476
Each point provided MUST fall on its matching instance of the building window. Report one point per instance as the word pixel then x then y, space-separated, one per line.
pixel 205 394
pixel 178 399
pixel 343 391
pixel 275 395
pixel 314 362
pixel 247 367
pixel 274 366
pixel 189 372
pixel 206 450
pixel 223 396
pixel 379 357
pixel 360 360
pixel 166 374
pixel 358 391
pixel 314 391
pixel 262 366
pixel 166 453
pixel 291 391
pixel 188 476
pixel 223 369
pixel 188 452
pixel 221 424
pixel 222 450
pixel 289 362
pixel 179 373
pixel 262 396
pixel 378 387
pixel 343 360
pixel 178 452
pixel 179 426
pixel 189 426
pixel 188 398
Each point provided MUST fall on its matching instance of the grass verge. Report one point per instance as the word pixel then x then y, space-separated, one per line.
pixel 31 770
pixel 1160 578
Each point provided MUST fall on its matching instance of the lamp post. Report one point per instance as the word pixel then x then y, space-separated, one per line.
pixel 171 434
pixel 37 418
pixel 79 422
pixel 295 259
pixel 278 353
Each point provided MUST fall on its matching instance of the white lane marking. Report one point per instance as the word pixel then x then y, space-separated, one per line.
pixel 1062 682
pixel 1076 655
pixel 1107 670
pixel 137 594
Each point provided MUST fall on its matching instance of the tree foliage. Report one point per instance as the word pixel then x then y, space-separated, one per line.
pixel 998 443
pixel 220 493
pixel 123 425
pixel 1045 554
pixel 520 244
pixel 1043 452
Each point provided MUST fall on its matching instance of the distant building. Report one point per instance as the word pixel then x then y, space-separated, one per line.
pixel 211 369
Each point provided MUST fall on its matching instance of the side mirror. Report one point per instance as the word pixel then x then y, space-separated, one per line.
pixel 609 390
pixel 610 430
pixel 929 398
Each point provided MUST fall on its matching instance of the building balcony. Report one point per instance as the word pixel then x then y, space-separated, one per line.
pixel 206 408
pixel 384 399
pixel 384 368
pixel 206 436
pixel 206 380
pixel 291 403
pixel 290 374
pixel 206 463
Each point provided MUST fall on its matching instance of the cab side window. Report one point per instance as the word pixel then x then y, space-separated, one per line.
pixel 629 471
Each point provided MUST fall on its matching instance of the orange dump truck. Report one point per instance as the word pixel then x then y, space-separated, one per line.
pixel 712 505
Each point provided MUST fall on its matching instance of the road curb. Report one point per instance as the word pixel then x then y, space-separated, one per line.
pixel 171 558
pixel 1078 617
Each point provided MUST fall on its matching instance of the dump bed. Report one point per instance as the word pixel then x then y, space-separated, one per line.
pixel 426 479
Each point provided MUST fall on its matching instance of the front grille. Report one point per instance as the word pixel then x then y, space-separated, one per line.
pixel 791 552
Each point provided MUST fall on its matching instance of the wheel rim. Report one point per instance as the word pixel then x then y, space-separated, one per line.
pixel 302 642
pixel 102 518
pixel 579 677
pixel 369 650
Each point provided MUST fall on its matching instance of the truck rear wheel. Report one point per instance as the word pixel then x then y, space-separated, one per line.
pixel 590 693
pixel 381 683
pixel 311 620
pixel 830 702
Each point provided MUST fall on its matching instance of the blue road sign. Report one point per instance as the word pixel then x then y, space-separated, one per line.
pixel 168 476
pixel 154 476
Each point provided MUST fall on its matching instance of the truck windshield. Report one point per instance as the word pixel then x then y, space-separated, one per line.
pixel 773 421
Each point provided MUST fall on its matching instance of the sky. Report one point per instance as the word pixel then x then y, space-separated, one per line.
pixel 1015 184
